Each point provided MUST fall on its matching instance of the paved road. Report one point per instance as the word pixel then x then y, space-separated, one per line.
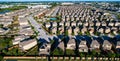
pixel 42 34
pixel 44 57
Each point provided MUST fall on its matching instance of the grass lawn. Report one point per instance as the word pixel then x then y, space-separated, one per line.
pixel 70 52
pixel 5 42
pixel 58 52
pixel 33 51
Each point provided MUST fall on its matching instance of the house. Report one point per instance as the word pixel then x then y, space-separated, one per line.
pixel 86 24
pixel 67 23
pixel 101 30
pixel 25 27
pixel 27 44
pixel 47 25
pixel 106 45
pixel 23 21
pixel 61 45
pixel 111 24
pixel 91 23
pixel 79 23
pixel 44 49
pixel 107 30
pixel 69 30
pixel 54 24
pixel 26 32
pixel 54 30
pixel 117 24
pixel 73 23
pixel 115 32
pixel 118 46
pixel 71 44
pixel 104 24
pixel 18 39
pixel 61 23
pixel 83 46
pixel 91 30
pixel 84 29
pixel 94 45
pixel 4 31
pixel 76 31
pixel 61 29
pixel 98 23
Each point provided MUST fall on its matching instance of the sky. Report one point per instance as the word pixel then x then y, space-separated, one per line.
pixel 59 0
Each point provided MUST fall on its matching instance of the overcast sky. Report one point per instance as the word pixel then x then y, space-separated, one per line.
pixel 59 0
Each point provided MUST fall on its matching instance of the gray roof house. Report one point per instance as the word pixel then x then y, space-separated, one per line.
pixel 118 46
pixel 71 44
pixel 44 49
pixel 94 45
pixel 106 45
pixel 83 46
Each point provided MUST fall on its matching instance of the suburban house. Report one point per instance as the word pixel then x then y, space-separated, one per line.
pixel 61 45
pixel 26 32
pixel 76 31
pixel 44 49
pixel 107 30
pixel 97 23
pixel 54 24
pixel 94 45
pixel 118 46
pixel 47 25
pixel 54 30
pixel 83 46
pixel 69 30
pixel 106 45
pixel 4 31
pixel 117 24
pixel 18 39
pixel 27 44
pixel 84 29
pixel 23 21
pixel 101 30
pixel 71 44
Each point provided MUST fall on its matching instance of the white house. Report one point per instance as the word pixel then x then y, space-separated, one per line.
pixel 83 46
pixel 106 45
pixel 19 38
pixel 44 49
pixel 71 44
pixel 94 45
pixel 28 44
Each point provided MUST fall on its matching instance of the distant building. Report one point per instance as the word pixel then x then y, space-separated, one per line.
pixel 68 3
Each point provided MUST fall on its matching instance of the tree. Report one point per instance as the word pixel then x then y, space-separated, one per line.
pixel 66 32
pixel 1 25
pixel 1 57
pixel 93 53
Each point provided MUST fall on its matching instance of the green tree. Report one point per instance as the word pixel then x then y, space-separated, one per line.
pixel 66 32
pixel 1 25
pixel 1 57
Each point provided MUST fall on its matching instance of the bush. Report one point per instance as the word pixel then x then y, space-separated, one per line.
pixel 1 57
